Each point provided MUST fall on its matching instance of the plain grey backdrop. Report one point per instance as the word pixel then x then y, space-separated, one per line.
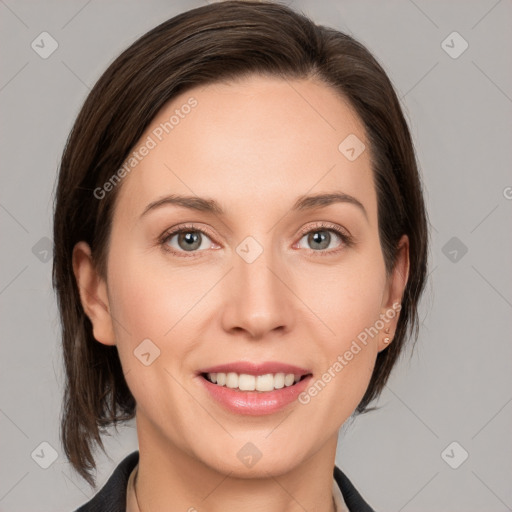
pixel 441 438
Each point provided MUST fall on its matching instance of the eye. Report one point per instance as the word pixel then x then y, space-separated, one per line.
pixel 186 239
pixel 323 237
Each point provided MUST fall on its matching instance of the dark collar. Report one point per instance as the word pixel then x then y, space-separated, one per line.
pixel 112 496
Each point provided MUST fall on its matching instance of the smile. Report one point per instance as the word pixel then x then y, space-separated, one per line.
pixel 245 382
pixel 256 389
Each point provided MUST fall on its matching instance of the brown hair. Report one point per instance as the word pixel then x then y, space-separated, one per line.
pixel 221 41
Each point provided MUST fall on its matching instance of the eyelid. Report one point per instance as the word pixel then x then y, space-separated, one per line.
pixel 326 225
pixel 187 227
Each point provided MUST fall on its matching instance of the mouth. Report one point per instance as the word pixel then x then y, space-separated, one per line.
pixel 250 388
pixel 262 383
pixel 256 393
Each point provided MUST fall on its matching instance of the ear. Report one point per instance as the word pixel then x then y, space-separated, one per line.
pixel 393 294
pixel 93 294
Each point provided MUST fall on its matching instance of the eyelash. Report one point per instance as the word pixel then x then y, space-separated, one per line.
pixel 346 239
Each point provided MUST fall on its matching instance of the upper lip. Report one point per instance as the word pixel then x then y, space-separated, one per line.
pixel 250 368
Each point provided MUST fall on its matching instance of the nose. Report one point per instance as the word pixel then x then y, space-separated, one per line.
pixel 258 299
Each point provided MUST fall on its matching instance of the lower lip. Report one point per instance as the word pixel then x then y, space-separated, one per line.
pixel 255 403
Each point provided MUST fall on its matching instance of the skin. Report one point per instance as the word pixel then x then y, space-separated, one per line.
pixel 255 146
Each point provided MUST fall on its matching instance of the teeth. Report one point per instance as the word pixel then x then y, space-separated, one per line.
pixel 279 380
pixel 245 382
pixel 231 380
pixel 289 379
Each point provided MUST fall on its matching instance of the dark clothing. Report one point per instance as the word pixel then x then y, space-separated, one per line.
pixel 112 496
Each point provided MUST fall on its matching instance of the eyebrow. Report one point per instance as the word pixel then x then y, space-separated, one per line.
pixel 305 202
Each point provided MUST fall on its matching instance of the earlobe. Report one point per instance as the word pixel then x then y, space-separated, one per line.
pixel 397 282
pixel 93 294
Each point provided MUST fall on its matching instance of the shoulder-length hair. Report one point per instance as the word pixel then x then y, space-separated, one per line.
pixel 221 41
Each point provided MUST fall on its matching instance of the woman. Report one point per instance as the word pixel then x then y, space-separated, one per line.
pixel 240 247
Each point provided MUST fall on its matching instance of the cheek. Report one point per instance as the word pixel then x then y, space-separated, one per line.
pixel 349 303
pixel 150 315
pixel 347 298
pixel 140 305
pixel 147 299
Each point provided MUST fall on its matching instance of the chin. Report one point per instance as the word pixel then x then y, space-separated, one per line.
pixel 247 461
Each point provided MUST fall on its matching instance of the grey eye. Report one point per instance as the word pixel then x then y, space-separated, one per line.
pixel 319 239
pixel 189 240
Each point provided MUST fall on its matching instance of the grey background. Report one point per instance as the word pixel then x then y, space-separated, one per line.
pixel 455 386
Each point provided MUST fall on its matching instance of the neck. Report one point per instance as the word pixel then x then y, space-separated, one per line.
pixel 167 475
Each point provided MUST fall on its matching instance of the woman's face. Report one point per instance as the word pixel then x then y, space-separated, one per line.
pixel 262 276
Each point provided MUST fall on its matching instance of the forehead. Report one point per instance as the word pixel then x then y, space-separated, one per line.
pixel 250 142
